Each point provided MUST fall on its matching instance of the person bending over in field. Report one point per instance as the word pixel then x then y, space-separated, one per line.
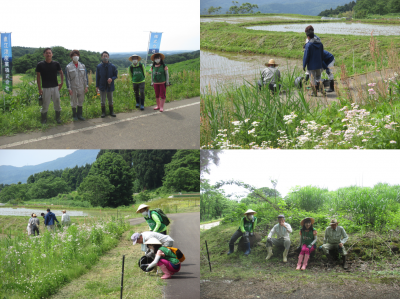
pixel 271 75
pixel 106 73
pixel 137 73
pixel 153 219
pixel 335 237
pixel 141 238
pixel 77 83
pixel 282 230
pixel 159 79
pixel 246 228
pixel 308 239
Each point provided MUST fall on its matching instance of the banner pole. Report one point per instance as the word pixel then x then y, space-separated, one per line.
pixel 147 52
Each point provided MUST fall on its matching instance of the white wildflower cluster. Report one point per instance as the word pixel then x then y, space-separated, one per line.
pixel 288 119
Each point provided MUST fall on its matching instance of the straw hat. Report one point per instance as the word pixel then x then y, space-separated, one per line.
pixel 162 56
pixel 142 206
pixel 304 220
pixel 153 241
pixel 64 211
pixel 33 215
pixel 250 211
pixel 134 55
pixel 334 221
pixel 271 61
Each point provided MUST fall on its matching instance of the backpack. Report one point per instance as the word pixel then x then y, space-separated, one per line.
pixel 180 256
pixel 164 218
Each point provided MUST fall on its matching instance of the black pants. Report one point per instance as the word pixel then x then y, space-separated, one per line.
pixel 138 89
pixel 35 229
pixel 236 236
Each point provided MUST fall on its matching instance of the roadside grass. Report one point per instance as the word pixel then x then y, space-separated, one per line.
pixel 104 279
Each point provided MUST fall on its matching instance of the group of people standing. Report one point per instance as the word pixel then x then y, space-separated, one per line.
pixel 49 220
pixel 106 73
pixel 334 239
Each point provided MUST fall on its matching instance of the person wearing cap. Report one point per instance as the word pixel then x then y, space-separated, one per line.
pixel 335 238
pixel 34 222
pixel 106 74
pixel 282 230
pixel 271 75
pixel 141 238
pixel 153 219
pixel 246 228
pixel 308 238
pixel 312 58
pixel 159 79
pixel 164 258
pixel 137 73
pixel 77 83
pixel 65 220
pixel 49 220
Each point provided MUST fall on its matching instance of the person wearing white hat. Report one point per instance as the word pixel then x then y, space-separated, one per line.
pixel 246 228
pixel 308 238
pixel 282 230
pixel 159 79
pixel 137 73
pixel 335 237
pixel 164 258
pixel 153 219
pixel 65 219
pixel 143 237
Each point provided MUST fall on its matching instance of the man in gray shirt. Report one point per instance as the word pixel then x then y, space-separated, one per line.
pixel 335 237
pixel 34 224
pixel 271 75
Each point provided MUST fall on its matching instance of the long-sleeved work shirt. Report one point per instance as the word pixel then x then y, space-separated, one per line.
pixel 337 235
pixel 281 231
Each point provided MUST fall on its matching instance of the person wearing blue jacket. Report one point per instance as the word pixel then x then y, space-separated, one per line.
pixel 49 220
pixel 312 59
pixel 106 73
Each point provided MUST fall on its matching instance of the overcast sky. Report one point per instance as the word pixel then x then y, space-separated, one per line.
pixel 113 26
pixel 331 169
pixel 21 158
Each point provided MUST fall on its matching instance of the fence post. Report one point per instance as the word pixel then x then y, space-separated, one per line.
pixel 122 275
pixel 209 263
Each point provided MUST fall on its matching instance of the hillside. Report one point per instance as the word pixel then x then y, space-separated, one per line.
pixel 11 174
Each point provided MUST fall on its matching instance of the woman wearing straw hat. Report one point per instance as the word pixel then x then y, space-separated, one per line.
pixel 165 259
pixel 246 228
pixel 137 73
pixel 271 75
pixel 335 237
pixel 308 238
pixel 159 79
pixel 153 219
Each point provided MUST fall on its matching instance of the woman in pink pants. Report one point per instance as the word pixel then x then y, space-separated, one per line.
pixel 308 240
pixel 159 79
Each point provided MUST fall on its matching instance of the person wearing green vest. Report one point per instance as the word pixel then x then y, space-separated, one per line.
pixel 165 259
pixel 137 74
pixel 159 79
pixel 246 228
pixel 153 219
pixel 308 238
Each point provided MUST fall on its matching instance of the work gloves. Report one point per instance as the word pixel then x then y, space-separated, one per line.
pixel 251 234
pixel 309 246
pixel 304 69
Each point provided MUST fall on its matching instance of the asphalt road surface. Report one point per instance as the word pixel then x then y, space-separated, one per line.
pixel 186 234
pixel 175 128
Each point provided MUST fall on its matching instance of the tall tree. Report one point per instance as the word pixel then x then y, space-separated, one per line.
pixel 96 190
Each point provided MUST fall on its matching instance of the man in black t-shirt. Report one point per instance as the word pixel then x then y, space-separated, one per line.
pixel 49 89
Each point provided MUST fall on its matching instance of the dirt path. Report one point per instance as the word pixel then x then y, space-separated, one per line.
pixel 209 225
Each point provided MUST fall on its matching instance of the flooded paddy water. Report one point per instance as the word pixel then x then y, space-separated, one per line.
pixel 334 28
pixel 28 212
pixel 237 20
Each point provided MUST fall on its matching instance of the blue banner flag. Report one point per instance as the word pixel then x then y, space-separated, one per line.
pixel 6 62
pixel 154 42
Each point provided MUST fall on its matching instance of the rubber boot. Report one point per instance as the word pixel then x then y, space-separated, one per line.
pixel 58 117
pixel 299 261
pixel 167 274
pixel 111 110
pixel 269 249
pixel 307 77
pixel 162 101
pixel 103 111
pixel 44 118
pixel 306 257
pixel 158 104
pixel 331 86
pixel 285 252
pixel 344 262
pixel 137 104
pixel 314 91
pixel 231 248
pixel 74 115
pixel 248 250
pixel 80 117
pixel 142 104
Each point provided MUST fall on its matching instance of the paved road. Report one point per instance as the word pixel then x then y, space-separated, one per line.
pixel 186 234
pixel 209 225
pixel 175 128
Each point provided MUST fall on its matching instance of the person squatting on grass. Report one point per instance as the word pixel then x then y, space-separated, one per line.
pixel 282 231
pixel 335 237
pixel 308 238
pixel 106 73
pixel 49 220
pixel 65 220
pixel 271 75
pixel 77 82
pixel 34 222
pixel 164 258
pixel 246 228
pixel 143 237
pixel 137 73
pixel 159 79
pixel 312 58
pixel 49 89
pixel 153 219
